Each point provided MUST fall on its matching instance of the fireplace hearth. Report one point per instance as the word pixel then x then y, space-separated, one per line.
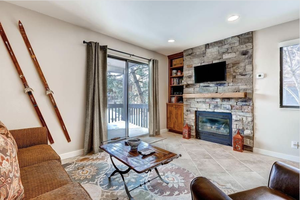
pixel 214 127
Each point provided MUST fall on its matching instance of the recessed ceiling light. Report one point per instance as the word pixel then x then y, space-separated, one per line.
pixel 171 40
pixel 233 18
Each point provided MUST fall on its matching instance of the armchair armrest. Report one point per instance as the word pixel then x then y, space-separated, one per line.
pixel 202 188
pixel 30 136
pixel 284 178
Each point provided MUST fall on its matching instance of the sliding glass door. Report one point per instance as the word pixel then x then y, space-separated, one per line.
pixel 127 98
pixel 138 83
pixel 116 98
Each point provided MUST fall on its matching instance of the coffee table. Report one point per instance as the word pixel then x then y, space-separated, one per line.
pixel 136 162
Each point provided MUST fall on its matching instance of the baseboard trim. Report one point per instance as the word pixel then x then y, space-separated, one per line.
pixel 164 130
pixel 71 154
pixel 276 154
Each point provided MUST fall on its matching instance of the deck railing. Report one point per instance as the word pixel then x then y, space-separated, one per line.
pixel 137 114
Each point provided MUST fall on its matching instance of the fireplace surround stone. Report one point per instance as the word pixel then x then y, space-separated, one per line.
pixel 237 51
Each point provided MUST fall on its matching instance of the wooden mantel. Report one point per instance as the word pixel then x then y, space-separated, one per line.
pixel 216 95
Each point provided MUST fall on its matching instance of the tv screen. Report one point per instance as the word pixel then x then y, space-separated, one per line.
pixel 210 73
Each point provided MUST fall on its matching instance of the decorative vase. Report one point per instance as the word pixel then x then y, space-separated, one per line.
pixel 238 142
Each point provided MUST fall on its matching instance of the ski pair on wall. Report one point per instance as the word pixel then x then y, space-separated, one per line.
pixel 28 90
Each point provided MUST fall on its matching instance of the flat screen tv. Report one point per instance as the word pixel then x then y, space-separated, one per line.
pixel 210 73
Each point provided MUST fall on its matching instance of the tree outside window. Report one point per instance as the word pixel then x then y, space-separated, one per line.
pixel 290 76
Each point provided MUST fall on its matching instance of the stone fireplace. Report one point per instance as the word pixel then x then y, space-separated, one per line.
pixel 237 52
pixel 214 127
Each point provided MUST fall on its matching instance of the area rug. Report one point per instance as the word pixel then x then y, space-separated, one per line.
pixel 92 172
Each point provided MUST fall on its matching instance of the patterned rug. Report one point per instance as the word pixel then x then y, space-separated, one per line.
pixel 92 172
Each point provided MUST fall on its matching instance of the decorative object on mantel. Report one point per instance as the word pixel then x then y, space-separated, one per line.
pixel 238 142
pixel 216 95
pixel 186 133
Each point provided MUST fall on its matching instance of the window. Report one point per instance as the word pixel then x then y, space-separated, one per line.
pixel 289 76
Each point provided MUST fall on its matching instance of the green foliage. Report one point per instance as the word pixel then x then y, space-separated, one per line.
pixel 138 83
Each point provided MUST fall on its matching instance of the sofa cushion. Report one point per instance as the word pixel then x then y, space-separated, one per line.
pixel 43 177
pixel 36 154
pixel 30 136
pixel 66 192
pixel 10 182
pixel 260 193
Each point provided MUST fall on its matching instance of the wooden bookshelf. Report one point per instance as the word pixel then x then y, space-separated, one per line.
pixel 175 74
pixel 175 94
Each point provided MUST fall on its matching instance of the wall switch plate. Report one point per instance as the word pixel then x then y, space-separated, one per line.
pixel 295 145
pixel 260 75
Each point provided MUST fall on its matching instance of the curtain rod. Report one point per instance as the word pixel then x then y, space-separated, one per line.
pixel 84 42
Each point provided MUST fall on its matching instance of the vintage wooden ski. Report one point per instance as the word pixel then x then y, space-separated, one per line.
pixel 28 90
pixel 40 72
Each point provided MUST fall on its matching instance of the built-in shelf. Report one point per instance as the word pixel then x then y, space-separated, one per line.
pixel 176 85
pixel 176 67
pixel 216 95
pixel 176 95
pixel 176 76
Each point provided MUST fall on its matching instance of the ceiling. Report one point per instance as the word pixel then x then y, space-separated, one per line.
pixel 149 24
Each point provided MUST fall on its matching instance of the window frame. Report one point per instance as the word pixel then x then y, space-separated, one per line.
pixel 289 43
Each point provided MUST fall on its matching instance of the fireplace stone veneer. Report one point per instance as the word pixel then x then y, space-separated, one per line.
pixel 237 51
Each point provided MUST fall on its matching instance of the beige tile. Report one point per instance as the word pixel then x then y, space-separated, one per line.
pixel 243 170
pixel 257 165
pixel 68 160
pixel 208 165
pixel 219 153
pixel 249 180
pixel 223 178
pixel 198 154
pixel 264 173
pixel 233 165
pixel 187 164
pixel 294 164
pixel 178 149
pixel 190 147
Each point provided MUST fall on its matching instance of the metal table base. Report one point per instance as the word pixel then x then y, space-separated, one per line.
pixel 117 170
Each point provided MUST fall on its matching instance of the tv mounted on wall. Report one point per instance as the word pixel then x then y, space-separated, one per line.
pixel 210 73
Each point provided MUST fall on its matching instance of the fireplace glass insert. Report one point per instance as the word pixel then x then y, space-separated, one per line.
pixel 214 127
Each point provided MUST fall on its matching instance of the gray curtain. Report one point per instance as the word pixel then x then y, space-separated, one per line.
pixel 96 98
pixel 154 121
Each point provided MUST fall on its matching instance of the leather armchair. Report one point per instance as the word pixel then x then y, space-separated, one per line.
pixel 283 184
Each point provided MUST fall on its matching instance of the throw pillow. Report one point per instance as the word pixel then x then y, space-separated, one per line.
pixel 4 131
pixel 10 180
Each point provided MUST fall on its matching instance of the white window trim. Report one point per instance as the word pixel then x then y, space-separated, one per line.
pixel 289 43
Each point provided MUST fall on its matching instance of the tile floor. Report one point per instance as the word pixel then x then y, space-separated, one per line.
pixel 243 171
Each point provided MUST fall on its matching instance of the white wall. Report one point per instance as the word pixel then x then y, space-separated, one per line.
pixel 62 56
pixel 275 127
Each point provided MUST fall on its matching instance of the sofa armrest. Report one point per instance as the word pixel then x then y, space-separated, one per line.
pixel 285 179
pixel 30 136
pixel 202 188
